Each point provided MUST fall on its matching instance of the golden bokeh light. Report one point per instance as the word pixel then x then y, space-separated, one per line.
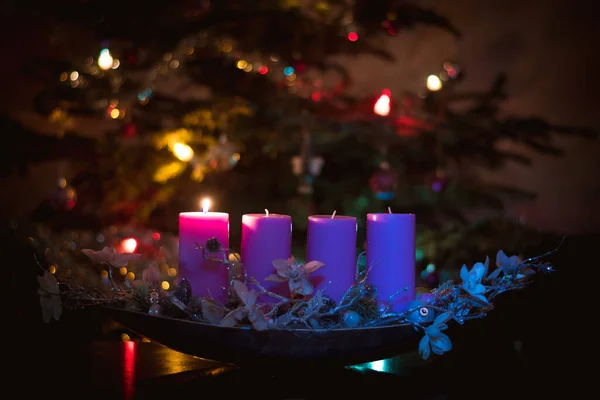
pixel 183 152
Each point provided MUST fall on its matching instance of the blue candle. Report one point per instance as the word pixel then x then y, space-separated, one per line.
pixel 331 239
pixel 391 253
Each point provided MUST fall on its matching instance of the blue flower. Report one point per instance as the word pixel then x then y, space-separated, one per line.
pixel 434 340
pixel 472 279
pixel 507 265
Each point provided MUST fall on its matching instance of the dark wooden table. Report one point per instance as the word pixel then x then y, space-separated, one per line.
pixel 66 367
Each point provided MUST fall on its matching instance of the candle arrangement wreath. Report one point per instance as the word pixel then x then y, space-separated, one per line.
pixel 304 308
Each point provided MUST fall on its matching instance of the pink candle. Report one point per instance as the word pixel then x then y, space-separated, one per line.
pixel 331 239
pixel 208 278
pixel 391 252
pixel 266 237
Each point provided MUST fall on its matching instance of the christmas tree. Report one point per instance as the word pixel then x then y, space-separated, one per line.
pixel 244 102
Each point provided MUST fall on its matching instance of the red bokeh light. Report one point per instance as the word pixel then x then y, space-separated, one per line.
pixel 352 36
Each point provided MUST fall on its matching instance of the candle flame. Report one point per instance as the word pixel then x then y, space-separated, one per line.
pixel 205 204
pixel 267 212
pixel 333 215
pixel 390 210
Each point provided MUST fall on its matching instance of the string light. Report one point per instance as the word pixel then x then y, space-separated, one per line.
pixel 383 104
pixel 434 83
pixel 115 113
pixel 105 60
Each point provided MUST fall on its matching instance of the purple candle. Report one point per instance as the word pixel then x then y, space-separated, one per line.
pixel 331 239
pixel 208 278
pixel 391 253
pixel 266 237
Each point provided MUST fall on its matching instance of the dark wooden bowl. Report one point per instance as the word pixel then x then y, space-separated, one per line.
pixel 243 347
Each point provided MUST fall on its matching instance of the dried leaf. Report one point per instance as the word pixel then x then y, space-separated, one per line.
pixel 212 312
pixel 275 278
pixel 312 266
pixel 232 318
pixel 258 320
pixel 301 286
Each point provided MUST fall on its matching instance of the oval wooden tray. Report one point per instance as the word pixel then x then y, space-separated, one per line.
pixel 244 346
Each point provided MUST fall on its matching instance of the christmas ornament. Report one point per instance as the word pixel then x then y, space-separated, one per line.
pixel 129 129
pixel 315 164
pixel 223 155
pixel 351 319
pixel 421 314
pixel 64 196
pixel 183 291
pixel 438 184
pixel 297 165
pixel 154 298
pixel 384 182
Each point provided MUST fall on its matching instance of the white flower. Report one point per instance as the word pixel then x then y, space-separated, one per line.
pixel 506 265
pixel 49 297
pixel 434 340
pixel 472 279
pixel 110 256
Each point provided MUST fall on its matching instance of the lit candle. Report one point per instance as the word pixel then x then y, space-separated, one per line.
pixel 331 239
pixel 266 237
pixel 208 278
pixel 391 257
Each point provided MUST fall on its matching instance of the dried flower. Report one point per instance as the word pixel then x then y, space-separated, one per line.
pixel 110 256
pixel 150 277
pixel 212 311
pixel 213 245
pixel 434 340
pixel 295 274
pixel 49 297
pixel 472 279
pixel 249 309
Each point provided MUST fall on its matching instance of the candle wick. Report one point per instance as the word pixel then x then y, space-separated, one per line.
pixel 333 215
pixel 390 210
pixel 267 212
